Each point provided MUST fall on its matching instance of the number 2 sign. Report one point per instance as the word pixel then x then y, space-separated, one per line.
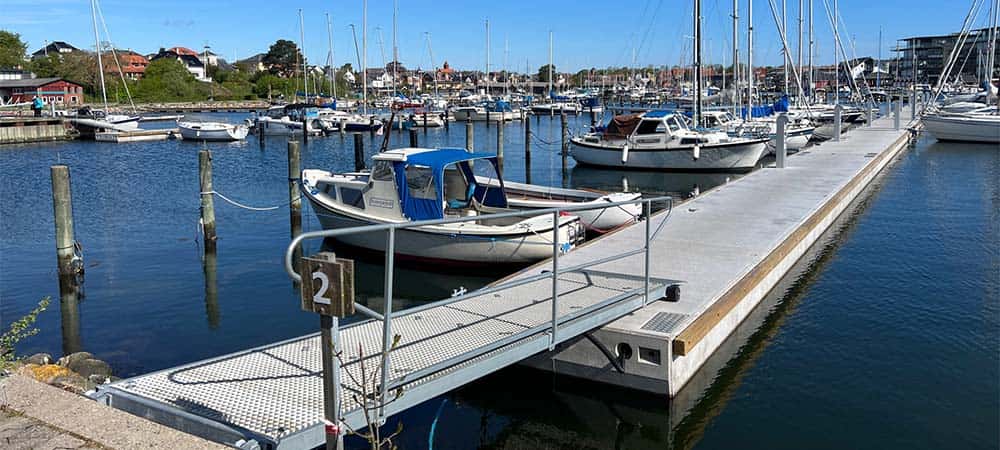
pixel 327 284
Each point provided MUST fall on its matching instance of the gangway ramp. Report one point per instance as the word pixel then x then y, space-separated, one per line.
pixel 272 396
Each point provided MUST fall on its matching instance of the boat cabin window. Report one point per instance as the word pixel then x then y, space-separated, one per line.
pixel 674 124
pixel 457 190
pixel 420 182
pixel 382 171
pixel 650 127
pixel 352 197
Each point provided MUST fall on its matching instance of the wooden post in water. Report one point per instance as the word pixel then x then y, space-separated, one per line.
pixel 207 204
pixel 500 146
pixel 62 208
pixel 470 141
pixel 305 129
pixel 294 198
pixel 260 134
pixel 359 152
pixel 564 151
pixel 447 114
pixel 413 138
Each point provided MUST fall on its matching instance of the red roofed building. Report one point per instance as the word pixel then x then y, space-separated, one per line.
pixel 183 51
pixel 51 90
pixel 133 65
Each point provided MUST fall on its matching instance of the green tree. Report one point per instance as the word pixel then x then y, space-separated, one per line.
pixel 167 80
pixel 283 58
pixel 271 86
pixel 543 72
pixel 12 50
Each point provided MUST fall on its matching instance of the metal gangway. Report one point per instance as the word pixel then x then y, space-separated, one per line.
pixel 272 396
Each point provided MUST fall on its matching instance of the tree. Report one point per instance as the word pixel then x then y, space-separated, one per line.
pixel 283 58
pixel 543 72
pixel 12 50
pixel 166 79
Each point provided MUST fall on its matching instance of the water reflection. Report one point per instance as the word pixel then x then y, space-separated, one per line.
pixel 680 184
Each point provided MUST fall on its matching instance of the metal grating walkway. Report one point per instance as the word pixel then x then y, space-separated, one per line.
pixel 273 394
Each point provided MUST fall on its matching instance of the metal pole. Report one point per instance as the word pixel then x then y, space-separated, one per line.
pixel 328 328
pixel 837 122
pixel 207 205
pixel 387 338
pixel 750 74
pixel 780 150
pixel 897 109
pixel 470 142
pixel 359 152
pixel 62 209
pixel 647 211
pixel 294 199
pixel 555 276
pixel 696 116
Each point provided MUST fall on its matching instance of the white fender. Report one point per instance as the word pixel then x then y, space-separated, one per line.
pixel 624 153
pixel 696 153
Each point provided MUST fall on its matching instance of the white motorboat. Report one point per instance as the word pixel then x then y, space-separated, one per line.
pixel 492 111
pixel 212 131
pixel 287 120
pixel 531 196
pixel 426 120
pixel 557 108
pixel 797 134
pixel 414 184
pixel 334 120
pixel 662 140
pixel 969 127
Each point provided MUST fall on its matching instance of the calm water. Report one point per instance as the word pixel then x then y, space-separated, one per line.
pixel 886 337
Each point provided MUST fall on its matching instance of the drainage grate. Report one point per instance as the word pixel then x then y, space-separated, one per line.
pixel 664 322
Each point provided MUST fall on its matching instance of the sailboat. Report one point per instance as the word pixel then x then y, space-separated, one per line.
pixel 92 121
pixel 663 140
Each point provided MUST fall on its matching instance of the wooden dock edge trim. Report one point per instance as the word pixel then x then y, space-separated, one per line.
pixel 700 327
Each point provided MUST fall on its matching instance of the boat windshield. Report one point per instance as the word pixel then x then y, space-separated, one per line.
pixel 674 124
pixel 420 182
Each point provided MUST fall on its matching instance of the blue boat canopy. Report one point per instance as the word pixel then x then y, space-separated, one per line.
pixel 422 197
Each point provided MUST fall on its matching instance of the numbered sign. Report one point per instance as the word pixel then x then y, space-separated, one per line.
pixel 327 284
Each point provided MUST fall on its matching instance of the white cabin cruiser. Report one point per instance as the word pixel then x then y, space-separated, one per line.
pixel 212 131
pixel 662 140
pixel 492 111
pixel 797 134
pixel 557 108
pixel 287 120
pixel 413 184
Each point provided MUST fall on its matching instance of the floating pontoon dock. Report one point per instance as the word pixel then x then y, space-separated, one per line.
pixel 726 249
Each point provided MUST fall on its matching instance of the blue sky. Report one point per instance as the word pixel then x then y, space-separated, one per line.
pixel 588 33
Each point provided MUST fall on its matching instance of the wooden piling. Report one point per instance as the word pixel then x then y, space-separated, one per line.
pixel 207 204
pixel 62 209
pixel 500 146
pixel 294 198
pixel 527 151
pixel 305 131
pixel 413 138
pixel 470 141
pixel 359 153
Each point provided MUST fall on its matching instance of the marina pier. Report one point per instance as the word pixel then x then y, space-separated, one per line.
pixel 725 250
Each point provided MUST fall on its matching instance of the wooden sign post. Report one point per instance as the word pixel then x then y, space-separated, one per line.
pixel 328 290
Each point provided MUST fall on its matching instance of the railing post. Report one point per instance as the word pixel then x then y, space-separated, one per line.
pixel 896 111
pixel 332 390
pixel 470 141
pixel 555 277
pixel 837 122
pixel 647 211
pixel 387 338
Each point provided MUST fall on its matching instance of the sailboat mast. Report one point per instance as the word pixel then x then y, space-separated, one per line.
pixel 506 56
pixel 750 74
pixel 550 63
pixel 836 53
pixel 97 48
pixel 364 57
pixel 430 50
pixel 697 63
pixel 302 46
pixel 798 56
pixel 332 72
pixel 878 64
pixel 784 34
pixel 736 56
pixel 486 80
pixel 811 43
pixel 395 46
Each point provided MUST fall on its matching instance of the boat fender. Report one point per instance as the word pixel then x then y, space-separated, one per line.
pixel 696 152
pixel 624 153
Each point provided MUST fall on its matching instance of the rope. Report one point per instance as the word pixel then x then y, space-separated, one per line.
pixel 247 207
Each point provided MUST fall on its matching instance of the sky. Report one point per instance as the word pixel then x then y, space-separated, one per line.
pixel 586 33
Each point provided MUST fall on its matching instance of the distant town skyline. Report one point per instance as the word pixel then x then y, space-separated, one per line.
pixel 586 33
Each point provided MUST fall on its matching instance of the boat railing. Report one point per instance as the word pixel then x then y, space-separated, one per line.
pixel 552 327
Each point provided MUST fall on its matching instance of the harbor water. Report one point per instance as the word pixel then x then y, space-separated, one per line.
pixel 886 337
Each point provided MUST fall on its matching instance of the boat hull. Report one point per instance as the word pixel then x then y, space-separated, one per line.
pixel 739 156
pixel 420 244
pixel 963 128
pixel 230 133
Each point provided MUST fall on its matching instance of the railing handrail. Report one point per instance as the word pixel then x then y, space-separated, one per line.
pixel 290 251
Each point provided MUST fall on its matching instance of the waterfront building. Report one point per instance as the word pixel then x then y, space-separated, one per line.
pixel 931 55
pixel 52 90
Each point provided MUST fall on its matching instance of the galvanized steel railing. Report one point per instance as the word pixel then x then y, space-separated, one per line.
pixel 386 317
